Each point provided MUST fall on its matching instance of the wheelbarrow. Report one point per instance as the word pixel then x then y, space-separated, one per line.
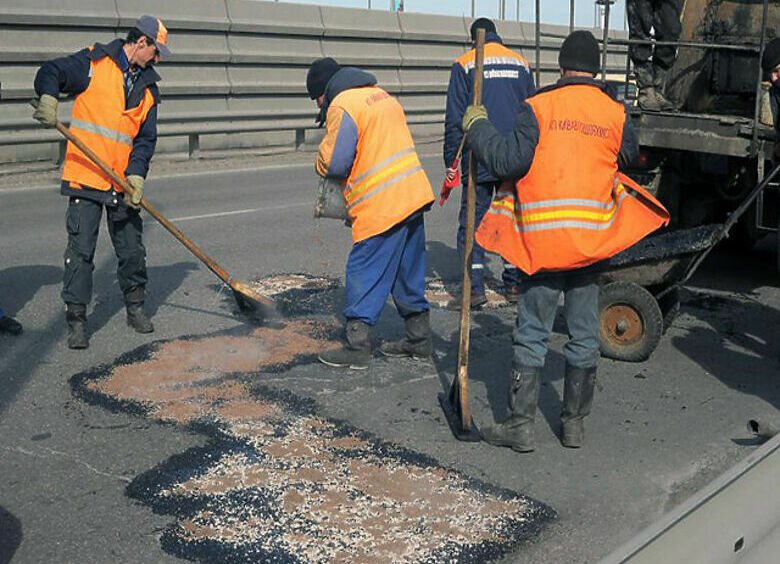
pixel 640 291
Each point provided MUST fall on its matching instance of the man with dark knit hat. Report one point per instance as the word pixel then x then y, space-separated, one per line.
pixel 652 62
pixel 115 115
pixel 770 63
pixel 564 206
pixel 507 83
pixel 368 148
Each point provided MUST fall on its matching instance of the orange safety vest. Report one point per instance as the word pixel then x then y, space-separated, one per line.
pixel 102 122
pixel 573 208
pixel 387 183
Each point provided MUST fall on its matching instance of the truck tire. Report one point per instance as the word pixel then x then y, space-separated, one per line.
pixel 630 322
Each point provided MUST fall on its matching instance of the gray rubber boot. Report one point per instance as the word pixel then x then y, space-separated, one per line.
pixel 659 82
pixel 416 343
pixel 356 353
pixel 76 317
pixel 136 318
pixel 578 385
pixel 645 82
pixel 517 431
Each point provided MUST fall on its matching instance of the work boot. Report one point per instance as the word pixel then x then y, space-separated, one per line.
pixel 10 325
pixel 517 431
pixel 76 317
pixel 136 318
pixel 356 354
pixel 417 343
pixel 659 82
pixel 578 387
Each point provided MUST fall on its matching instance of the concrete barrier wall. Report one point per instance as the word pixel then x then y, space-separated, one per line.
pixel 237 74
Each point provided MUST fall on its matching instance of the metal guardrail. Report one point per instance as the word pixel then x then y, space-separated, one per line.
pixel 239 66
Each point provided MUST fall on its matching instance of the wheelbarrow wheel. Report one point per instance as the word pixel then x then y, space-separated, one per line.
pixel 630 322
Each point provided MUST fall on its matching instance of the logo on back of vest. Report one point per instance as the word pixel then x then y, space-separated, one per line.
pixel 496 73
pixel 576 126
pixel 377 97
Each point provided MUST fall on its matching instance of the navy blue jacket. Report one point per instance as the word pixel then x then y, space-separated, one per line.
pixel 507 83
pixel 510 156
pixel 71 75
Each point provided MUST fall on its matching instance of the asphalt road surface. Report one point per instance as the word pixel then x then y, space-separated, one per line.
pixel 659 429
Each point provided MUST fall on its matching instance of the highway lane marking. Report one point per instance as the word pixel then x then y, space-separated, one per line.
pixel 237 212
pixel 179 175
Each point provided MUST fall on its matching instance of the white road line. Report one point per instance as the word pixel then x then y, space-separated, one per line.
pixel 179 175
pixel 237 212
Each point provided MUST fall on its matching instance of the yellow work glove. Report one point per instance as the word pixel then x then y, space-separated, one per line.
pixel 46 111
pixel 473 113
pixel 137 184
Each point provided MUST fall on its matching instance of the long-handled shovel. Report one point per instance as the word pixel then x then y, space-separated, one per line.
pixel 456 403
pixel 246 297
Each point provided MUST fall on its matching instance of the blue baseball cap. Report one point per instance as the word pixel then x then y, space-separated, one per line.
pixel 154 28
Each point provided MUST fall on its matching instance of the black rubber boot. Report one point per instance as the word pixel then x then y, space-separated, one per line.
pixel 356 354
pixel 645 82
pixel 517 431
pixel 76 317
pixel 417 343
pixel 136 318
pixel 10 325
pixel 578 385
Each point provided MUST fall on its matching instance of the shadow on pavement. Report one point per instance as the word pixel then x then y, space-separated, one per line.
pixel 20 284
pixel 10 535
pixel 16 367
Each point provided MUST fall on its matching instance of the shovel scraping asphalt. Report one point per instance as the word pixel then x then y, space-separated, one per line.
pixel 246 297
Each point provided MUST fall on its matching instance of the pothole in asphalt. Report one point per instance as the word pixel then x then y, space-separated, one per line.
pixel 279 483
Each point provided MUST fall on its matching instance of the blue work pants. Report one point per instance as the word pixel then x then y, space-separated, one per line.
pixel 484 192
pixel 392 262
pixel 536 309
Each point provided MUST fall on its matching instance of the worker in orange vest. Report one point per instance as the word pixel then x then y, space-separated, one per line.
pixel 369 148
pixel 115 115
pixel 564 207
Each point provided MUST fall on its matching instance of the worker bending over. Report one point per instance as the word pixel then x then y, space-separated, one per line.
pixel 369 148
pixel 564 207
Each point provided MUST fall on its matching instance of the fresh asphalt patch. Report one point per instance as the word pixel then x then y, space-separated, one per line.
pixel 279 483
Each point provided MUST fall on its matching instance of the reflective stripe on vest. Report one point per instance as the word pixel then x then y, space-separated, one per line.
pixel 382 176
pixel 106 132
pixel 573 213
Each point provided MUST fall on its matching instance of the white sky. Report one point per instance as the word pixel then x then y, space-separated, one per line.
pixel 552 11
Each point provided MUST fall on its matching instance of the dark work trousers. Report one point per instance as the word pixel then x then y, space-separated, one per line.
pixel 536 309
pixel 663 16
pixel 125 227
pixel 484 193
pixel 392 262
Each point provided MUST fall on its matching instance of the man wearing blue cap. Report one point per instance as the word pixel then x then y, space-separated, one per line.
pixel 115 115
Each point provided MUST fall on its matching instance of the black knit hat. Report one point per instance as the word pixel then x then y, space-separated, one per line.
pixel 580 52
pixel 771 56
pixel 319 74
pixel 482 23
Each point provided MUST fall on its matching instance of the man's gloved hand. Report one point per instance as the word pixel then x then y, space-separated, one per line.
pixel 473 113
pixel 46 110
pixel 137 184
